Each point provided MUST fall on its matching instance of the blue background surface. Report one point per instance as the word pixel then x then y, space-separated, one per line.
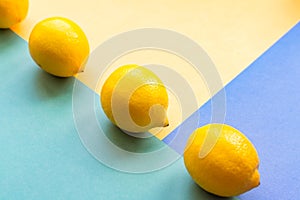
pixel 264 103
pixel 41 156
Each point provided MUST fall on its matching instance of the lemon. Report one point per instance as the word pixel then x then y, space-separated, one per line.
pixel 135 99
pixel 231 166
pixel 59 46
pixel 12 12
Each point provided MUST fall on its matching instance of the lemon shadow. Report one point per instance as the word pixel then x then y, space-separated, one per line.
pixel 49 86
pixel 123 140
pixel 7 39
pixel 198 193
pixel 131 143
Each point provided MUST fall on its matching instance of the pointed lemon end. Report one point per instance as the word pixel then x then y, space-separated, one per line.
pixel 166 123
pixel 255 180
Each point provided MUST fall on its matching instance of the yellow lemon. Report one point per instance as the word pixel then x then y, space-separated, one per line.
pixel 230 167
pixel 135 99
pixel 59 46
pixel 12 12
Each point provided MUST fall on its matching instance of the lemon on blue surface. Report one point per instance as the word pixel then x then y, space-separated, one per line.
pixel 230 168
pixel 135 99
pixel 59 46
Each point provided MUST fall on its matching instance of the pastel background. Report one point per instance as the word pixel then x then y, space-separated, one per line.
pixel 255 47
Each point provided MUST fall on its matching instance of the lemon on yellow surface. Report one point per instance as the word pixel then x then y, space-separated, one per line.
pixel 230 168
pixel 135 99
pixel 59 46
pixel 12 12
